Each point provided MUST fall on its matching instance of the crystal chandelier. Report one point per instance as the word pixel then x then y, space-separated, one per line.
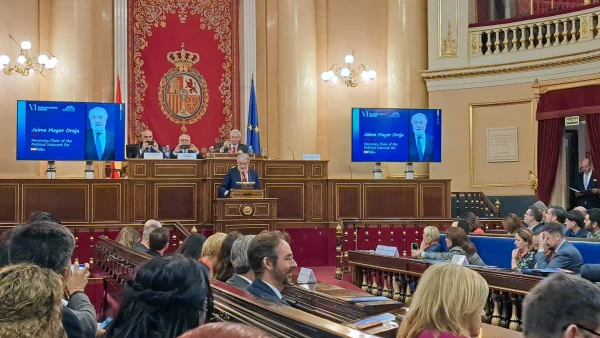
pixel 25 64
pixel 350 77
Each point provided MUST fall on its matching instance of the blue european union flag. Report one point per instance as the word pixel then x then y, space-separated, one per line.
pixel 253 137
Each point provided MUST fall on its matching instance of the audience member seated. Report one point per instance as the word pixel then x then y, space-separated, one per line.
pixel 41 216
pixel 4 238
pixel 128 236
pixel 272 261
pixel 144 244
pixel 581 209
pixel 473 220
pixel 556 214
pixel 223 270
pixel 50 245
pixel 233 145
pixel 435 312
pixel 523 257
pixel 576 225
pixel 159 242
pixel 592 223
pixel 459 244
pixel 562 306
pixel 543 208
pixel 430 242
pixel 511 223
pixel 168 296
pixel 533 219
pixel 461 223
pixel 31 302
pixel 225 329
pixel 591 272
pixel 235 175
pixel 192 246
pixel 186 146
pixel 210 251
pixel 243 274
pixel 558 252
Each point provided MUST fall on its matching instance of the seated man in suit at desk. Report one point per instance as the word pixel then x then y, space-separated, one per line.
pixel 586 183
pixel 241 173
pixel 186 146
pixel 232 145
pixel 273 263
pixel 243 274
pixel 558 252
pixel 148 145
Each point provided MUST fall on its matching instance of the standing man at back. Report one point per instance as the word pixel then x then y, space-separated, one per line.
pixel 272 261
pixel 586 183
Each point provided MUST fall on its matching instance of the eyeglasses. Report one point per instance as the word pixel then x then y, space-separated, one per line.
pixel 582 328
pixel 289 259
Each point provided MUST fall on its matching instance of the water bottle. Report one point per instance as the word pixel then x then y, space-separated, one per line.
pixel 211 149
pixel 167 151
pixel 250 151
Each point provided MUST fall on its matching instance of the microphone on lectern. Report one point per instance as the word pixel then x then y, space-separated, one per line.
pixel 349 166
pixel 293 158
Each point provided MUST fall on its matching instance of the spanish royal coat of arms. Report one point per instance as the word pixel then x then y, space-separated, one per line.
pixel 183 93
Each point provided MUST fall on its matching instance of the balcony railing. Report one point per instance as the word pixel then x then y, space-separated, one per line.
pixel 544 32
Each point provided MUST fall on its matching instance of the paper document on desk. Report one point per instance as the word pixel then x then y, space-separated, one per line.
pixel 384 317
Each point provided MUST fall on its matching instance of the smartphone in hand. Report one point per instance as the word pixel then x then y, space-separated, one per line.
pixel 414 246
pixel 105 323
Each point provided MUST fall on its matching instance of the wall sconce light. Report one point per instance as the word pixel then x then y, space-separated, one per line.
pixel 350 77
pixel 25 64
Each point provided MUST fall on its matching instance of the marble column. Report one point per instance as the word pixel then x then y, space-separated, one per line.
pixel 248 58
pixel 407 56
pixel 297 77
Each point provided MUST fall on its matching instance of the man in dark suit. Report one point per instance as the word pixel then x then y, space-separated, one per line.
pixel 558 252
pixel 186 146
pixel 243 274
pixel 272 261
pixel 99 142
pixel 586 183
pixel 420 145
pixel 148 145
pixel 159 242
pixel 576 225
pixel 241 173
pixel 232 145
pixel 533 219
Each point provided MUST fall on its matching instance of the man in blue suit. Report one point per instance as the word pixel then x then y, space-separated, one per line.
pixel 559 253
pixel 99 142
pixel 238 174
pixel 273 263
pixel 420 145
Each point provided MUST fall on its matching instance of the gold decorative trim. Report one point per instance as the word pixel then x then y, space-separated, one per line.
pixel 448 48
pixel 540 88
pixel 493 69
pixel 472 156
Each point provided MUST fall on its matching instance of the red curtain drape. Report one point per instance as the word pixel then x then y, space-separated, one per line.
pixel 593 131
pixel 569 102
pixel 550 136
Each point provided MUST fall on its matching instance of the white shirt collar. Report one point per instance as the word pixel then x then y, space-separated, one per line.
pixel 274 289
pixel 246 279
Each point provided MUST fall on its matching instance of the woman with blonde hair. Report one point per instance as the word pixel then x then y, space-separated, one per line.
pixel 128 236
pixel 211 249
pixel 31 302
pixel 523 255
pixel 431 235
pixel 458 244
pixel 448 303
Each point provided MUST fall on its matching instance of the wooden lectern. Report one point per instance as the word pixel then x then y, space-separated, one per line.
pixel 247 211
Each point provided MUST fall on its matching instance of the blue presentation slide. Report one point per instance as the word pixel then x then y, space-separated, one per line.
pixel 70 131
pixel 396 135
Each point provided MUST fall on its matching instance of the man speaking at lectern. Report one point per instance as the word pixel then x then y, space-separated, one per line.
pixel 241 173
pixel 420 145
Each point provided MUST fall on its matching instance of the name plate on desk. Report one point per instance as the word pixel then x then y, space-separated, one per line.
pixel 153 156
pixel 186 156
pixel 460 260
pixel 384 250
pixel 311 157
pixel 306 276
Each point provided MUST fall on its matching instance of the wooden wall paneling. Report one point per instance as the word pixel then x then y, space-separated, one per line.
pixel 9 199
pixel 318 170
pixel 390 200
pixel 139 201
pixel 107 202
pixel 279 169
pixel 176 201
pixel 68 202
pixel 291 199
pixel 140 169
pixel 432 201
pixel 347 200
pixel 178 170
pixel 317 201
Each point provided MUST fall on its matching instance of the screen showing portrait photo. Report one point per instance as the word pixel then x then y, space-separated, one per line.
pixel 70 131
pixel 396 135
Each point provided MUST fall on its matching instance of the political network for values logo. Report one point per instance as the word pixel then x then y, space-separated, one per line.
pixel 366 113
pixel 69 109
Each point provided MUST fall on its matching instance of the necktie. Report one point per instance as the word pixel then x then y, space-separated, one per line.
pixel 99 149
pixel 244 177
pixel 233 149
pixel 420 148
pixel 586 180
pixel 552 256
